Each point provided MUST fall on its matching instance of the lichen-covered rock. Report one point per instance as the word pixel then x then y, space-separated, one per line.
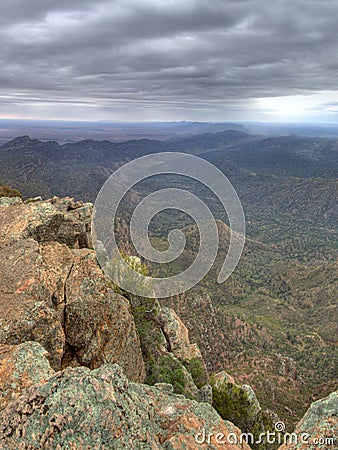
pixel 222 377
pixel 9 201
pixel 28 286
pixel 177 336
pixel 255 406
pixel 101 409
pixel 20 367
pixel 239 404
pixel 178 344
pixel 206 394
pixel 99 325
pixel 159 344
pixel 318 429
pixel 64 221
pixel 58 296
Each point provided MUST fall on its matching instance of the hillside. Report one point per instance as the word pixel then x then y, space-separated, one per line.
pixel 269 324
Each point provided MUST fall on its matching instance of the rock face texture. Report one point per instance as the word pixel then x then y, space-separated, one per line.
pixel 222 379
pixel 168 354
pixel 20 367
pixel 99 326
pixel 61 220
pixel 71 356
pixel 319 426
pixel 177 336
pixel 26 305
pixel 101 409
pixel 58 296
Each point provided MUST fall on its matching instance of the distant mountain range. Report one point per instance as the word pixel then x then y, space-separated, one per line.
pixel 272 172
pixel 70 131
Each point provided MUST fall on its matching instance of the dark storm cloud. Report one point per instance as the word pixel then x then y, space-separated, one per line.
pixel 196 55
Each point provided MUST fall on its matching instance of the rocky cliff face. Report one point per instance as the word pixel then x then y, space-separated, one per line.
pixel 57 295
pixel 318 429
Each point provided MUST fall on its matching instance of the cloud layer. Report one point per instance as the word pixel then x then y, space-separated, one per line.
pixel 167 60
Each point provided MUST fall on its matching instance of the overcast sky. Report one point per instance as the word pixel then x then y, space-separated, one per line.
pixel 209 60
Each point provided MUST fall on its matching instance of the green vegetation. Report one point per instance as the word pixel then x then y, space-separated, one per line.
pixel 165 369
pixel 272 324
pixel 196 368
pixel 233 403
pixel 6 191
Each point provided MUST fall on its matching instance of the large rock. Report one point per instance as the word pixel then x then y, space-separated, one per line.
pixel 101 409
pixel 61 220
pixel 177 336
pixel 99 325
pixel 9 201
pixel 21 366
pixel 26 302
pixel 167 349
pixel 58 296
pixel 318 428
pixel 222 380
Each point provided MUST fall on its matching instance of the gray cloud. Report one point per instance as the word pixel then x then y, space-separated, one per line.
pixel 191 59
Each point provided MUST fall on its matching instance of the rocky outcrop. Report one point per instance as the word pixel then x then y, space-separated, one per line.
pixel 169 356
pixel 223 379
pixel 203 321
pixel 61 220
pixel 177 336
pixel 177 344
pixel 63 330
pixel 318 428
pixel 58 296
pixel 238 403
pixel 26 303
pixel 101 409
pixel 99 325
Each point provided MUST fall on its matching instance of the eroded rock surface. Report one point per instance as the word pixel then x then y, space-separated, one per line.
pixel 61 220
pixel 177 336
pixel 99 325
pixel 58 296
pixel 101 409
pixel 26 302
pixel 21 366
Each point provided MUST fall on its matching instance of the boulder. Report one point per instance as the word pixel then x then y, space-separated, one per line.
pixel 59 296
pixel 26 307
pixel 177 336
pixel 223 377
pixel 178 344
